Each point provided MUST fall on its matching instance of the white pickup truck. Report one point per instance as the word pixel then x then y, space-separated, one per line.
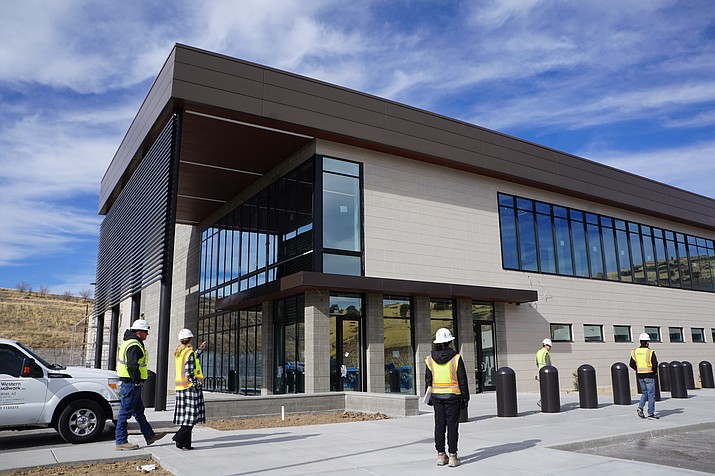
pixel 75 401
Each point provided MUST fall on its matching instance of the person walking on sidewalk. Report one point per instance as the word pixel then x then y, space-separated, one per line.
pixel 446 379
pixel 645 363
pixel 543 358
pixel 132 362
pixel 189 409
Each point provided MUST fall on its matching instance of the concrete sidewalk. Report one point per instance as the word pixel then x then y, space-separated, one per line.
pixel 526 444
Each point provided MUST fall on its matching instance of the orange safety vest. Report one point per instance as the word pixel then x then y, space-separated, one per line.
pixel 444 376
pixel 642 357
pixel 182 380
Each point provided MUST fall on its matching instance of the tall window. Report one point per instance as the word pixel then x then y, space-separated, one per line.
pixel 289 341
pixel 442 315
pixel 342 217
pixel 346 343
pixel 546 238
pixel 399 347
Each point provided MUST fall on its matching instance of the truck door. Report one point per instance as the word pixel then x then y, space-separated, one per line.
pixel 22 399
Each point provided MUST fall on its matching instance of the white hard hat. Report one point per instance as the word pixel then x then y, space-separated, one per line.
pixel 443 335
pixel 140 325
pixel 185 334
pixel 546 342
pixel 644 336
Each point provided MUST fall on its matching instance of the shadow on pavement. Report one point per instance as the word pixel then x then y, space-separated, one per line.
pixel 485 453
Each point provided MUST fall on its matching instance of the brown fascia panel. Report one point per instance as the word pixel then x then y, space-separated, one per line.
pixel 303 105
pixel 307 280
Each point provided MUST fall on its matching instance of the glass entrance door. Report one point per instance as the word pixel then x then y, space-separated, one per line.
pixel 485 355
pixel 345 356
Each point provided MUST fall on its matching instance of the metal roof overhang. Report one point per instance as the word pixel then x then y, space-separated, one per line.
pixel 242 119
pixel 309 280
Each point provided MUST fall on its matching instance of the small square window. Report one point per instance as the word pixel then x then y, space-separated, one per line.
pixel 622 333
pixel 698 334
pixel 592 333
pixel 561 333
pixel 676 334
pixel 653 332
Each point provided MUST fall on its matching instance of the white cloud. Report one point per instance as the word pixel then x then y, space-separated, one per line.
pixel 690 167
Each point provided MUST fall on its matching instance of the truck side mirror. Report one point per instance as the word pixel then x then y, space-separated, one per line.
pixel 28 367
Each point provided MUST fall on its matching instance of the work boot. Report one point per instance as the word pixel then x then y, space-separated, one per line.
pixel 442 459
pixel 454 460
pixel 156 437
pixel 127 446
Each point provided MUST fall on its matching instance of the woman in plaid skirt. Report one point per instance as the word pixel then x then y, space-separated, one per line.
pixel 189 408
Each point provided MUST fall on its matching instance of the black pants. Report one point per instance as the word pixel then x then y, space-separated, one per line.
pixel 183 436
pixel 446 417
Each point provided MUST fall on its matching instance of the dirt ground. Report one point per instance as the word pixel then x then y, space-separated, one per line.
pixel 127 468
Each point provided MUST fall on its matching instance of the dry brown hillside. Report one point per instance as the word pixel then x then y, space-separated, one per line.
pixel 43 320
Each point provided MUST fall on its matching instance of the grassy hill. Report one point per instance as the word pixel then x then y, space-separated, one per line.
pixel 43 320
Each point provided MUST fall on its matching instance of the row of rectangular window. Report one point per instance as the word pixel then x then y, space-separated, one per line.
pixel 546 238
pixel 622 333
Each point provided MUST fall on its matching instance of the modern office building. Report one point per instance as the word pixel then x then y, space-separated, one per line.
pixel 316 237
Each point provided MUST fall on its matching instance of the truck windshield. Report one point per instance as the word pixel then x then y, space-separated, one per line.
pixel 37 357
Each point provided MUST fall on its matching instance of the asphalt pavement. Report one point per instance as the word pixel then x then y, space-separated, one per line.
pixel 574 440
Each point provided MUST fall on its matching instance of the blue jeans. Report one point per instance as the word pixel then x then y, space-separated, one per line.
pixel 648 389
pixel 131 406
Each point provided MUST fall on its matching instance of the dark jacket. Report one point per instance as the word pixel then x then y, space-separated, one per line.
pixel 134 353
pixel 653 362
pixel 442 357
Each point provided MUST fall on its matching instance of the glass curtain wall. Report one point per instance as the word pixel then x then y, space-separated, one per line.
pixel 289 335
pixel 550 239
pixel 233 356
pixel 399 345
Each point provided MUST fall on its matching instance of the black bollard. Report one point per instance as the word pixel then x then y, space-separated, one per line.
pixel 706 374
pixel 688 372
pixel 664 376
pixel 621 384
pixel 549 387
pixel 505 381
pixel 587 396
pixel 677 380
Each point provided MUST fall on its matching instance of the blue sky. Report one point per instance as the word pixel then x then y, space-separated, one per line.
pixel 626 83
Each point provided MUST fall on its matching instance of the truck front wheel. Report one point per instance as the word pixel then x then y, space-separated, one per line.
pixel 81 421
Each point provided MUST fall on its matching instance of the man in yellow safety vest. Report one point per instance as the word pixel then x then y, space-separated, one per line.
pixel 132 362
pixel 645 363
pixel 446 379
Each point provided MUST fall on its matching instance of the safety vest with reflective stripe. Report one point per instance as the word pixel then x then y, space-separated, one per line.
pixel 543 358
pixel 122 369
pixel 643 359
pixel 444 376
pixel 183 381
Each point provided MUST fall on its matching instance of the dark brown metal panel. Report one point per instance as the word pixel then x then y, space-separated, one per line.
pixel 219 80
pixel 320 105
pixel 318 121
pixel 439 136
pixel 186 55
pixel 330 92
pixel 218 97
pixel 189 208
